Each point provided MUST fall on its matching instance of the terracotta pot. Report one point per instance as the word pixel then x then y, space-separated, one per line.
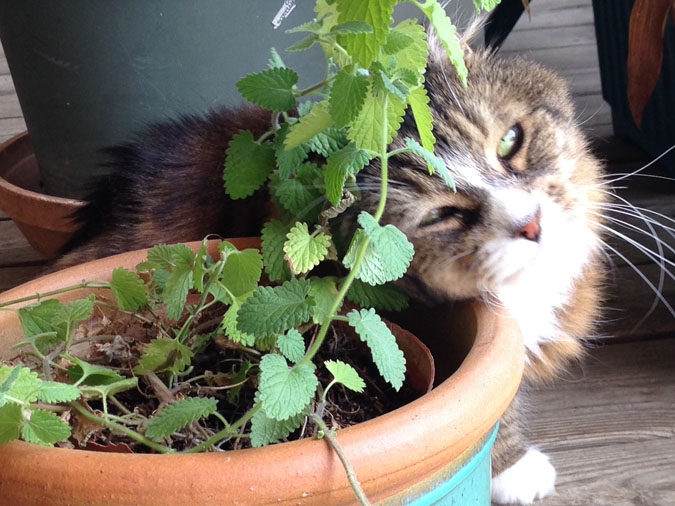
pixel 416 453
pixel 44 220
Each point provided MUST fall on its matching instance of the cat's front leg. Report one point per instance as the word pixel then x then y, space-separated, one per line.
pixel 520 473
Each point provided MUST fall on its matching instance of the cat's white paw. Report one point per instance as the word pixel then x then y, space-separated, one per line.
pixel 532 477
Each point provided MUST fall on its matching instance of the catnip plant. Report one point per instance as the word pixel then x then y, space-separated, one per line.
pixel 320 138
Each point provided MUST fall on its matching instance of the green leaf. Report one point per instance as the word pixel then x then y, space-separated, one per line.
pixel 201 261
pixel 159 257
pixel 111 388
pixel 445 31
pixel 487 5
pixel 240 373
pixel 285 392
pixel 162 354
pixel 396 41
pixel 75 311
pixel 381 297
pixel 383 83
pixel 288 160
pixel 368 128
pixel 303 44
pixel 44 428
pixel 310 27
pixel 229 326
pixel 352 27
pixel 304 250
pixel 377 13
pixel 414 55
pixel 300 195
pixel 388 254
pixel 52 391
pixel 347 95
pixel 345 374
pixel 348 160
pixel 247 165
pixel 323 291
pixel 292 345
pixel 88 374
pixel 266 430
pixel 419 105
pixel 179 414
pixel 271 88
pixel 275 60
pixel 328 141
pixel 180 280
pixel 309 125
pixel 24 385
pixel 433 160
pixel 272 310
pixel 386 354
pixel 11 418
pixel 128 289
pixel 242 271
pixel 273 239
pixel 38 318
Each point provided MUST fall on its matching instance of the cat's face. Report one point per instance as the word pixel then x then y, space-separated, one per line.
pixel 523 208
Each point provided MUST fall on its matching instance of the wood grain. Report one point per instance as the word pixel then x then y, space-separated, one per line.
pixel 14 249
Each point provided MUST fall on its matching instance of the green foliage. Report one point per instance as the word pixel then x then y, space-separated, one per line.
pixel 242 270
pixel 229 326
pixel 128 289
pixel 273 238
pixel 291 345
pixel 387 355
pixel 275 309
pixel 285 391
pixel 324 292
pixel 162 355
pixel 381 296
pixel 247 165
pixel 304 250
pixel 44 428
pixel 379 118
pixel 347 96
pixel 345 374
pixel 180 280
pixel 271 88
pixel 434 161
pixel 365 47
pixel 348 160
pixel 316 120
pixel 179 414
pixel 89 374
pixel 266 430
pixel 487 5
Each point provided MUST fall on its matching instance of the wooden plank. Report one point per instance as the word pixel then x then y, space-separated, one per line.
pixel 14 249
pixel 555 14
pixel 609 427
pixel 554 37
pixel 14 276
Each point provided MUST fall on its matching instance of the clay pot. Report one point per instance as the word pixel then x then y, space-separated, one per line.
pixel 435 448
pixel 44 220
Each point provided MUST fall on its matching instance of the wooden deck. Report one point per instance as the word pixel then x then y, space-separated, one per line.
pixel 609 425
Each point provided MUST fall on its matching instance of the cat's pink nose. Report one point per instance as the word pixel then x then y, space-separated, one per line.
pixel 531 230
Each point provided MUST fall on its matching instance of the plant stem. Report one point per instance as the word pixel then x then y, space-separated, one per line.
pixel 351 475
pixel 119 428
pixel 317 86
pixel 38 296
pixel 227 431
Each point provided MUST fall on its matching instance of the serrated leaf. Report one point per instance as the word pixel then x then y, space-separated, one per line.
pixel 179 414
pixel 273 239
pixel 44 428
pixel 345 374
pixel 413 56
pixel 292 345
pixel 288 160
pixel 275 60
pixel 303 44
pixel 304 250
pixel 273 310
pixel 419 105
pixel 52 391
pixel 445 31
pixel 11 418
pixel 381 296
pixel 38 318
pixel 386 354
pixel 159 257
pixel 352 27
pixel 365 47
pixel 284 392
pixel 88 374
pixel 162 354
pixel 240 373
pixel 324 292
pixel 368 127
pixel 347 95
pixel 487 5
pixel 242 271
pixel 310 26
pixel 317 119
pixel 388 254
pixel 266 430
pixel 434 161
pixel 247 165
pixel 75 311
pixel 271 88
pixel 229 326
pixel 128 289
pixel 25 384
pixel 396 41
pixel 298 197
pixel 348 160
pixel 384 84
pixel 328 141
pixel 180 280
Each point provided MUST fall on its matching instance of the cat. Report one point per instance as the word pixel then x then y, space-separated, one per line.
pixel 520 231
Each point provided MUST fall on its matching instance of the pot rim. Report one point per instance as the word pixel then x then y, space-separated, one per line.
pixel 389 453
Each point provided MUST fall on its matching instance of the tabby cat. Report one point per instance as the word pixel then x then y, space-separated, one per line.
pixel 520 231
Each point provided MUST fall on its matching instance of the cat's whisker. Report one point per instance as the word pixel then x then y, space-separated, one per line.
pixel 643 167
pixel 448 261
pixel 640 211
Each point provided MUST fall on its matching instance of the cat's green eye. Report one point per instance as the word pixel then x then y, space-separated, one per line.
pixel 510 143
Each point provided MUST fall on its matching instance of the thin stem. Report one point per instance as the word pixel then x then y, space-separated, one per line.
pixel 317 86
pixel 38 296
pixel 229 430
pixel 351 475
pixel 120 428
